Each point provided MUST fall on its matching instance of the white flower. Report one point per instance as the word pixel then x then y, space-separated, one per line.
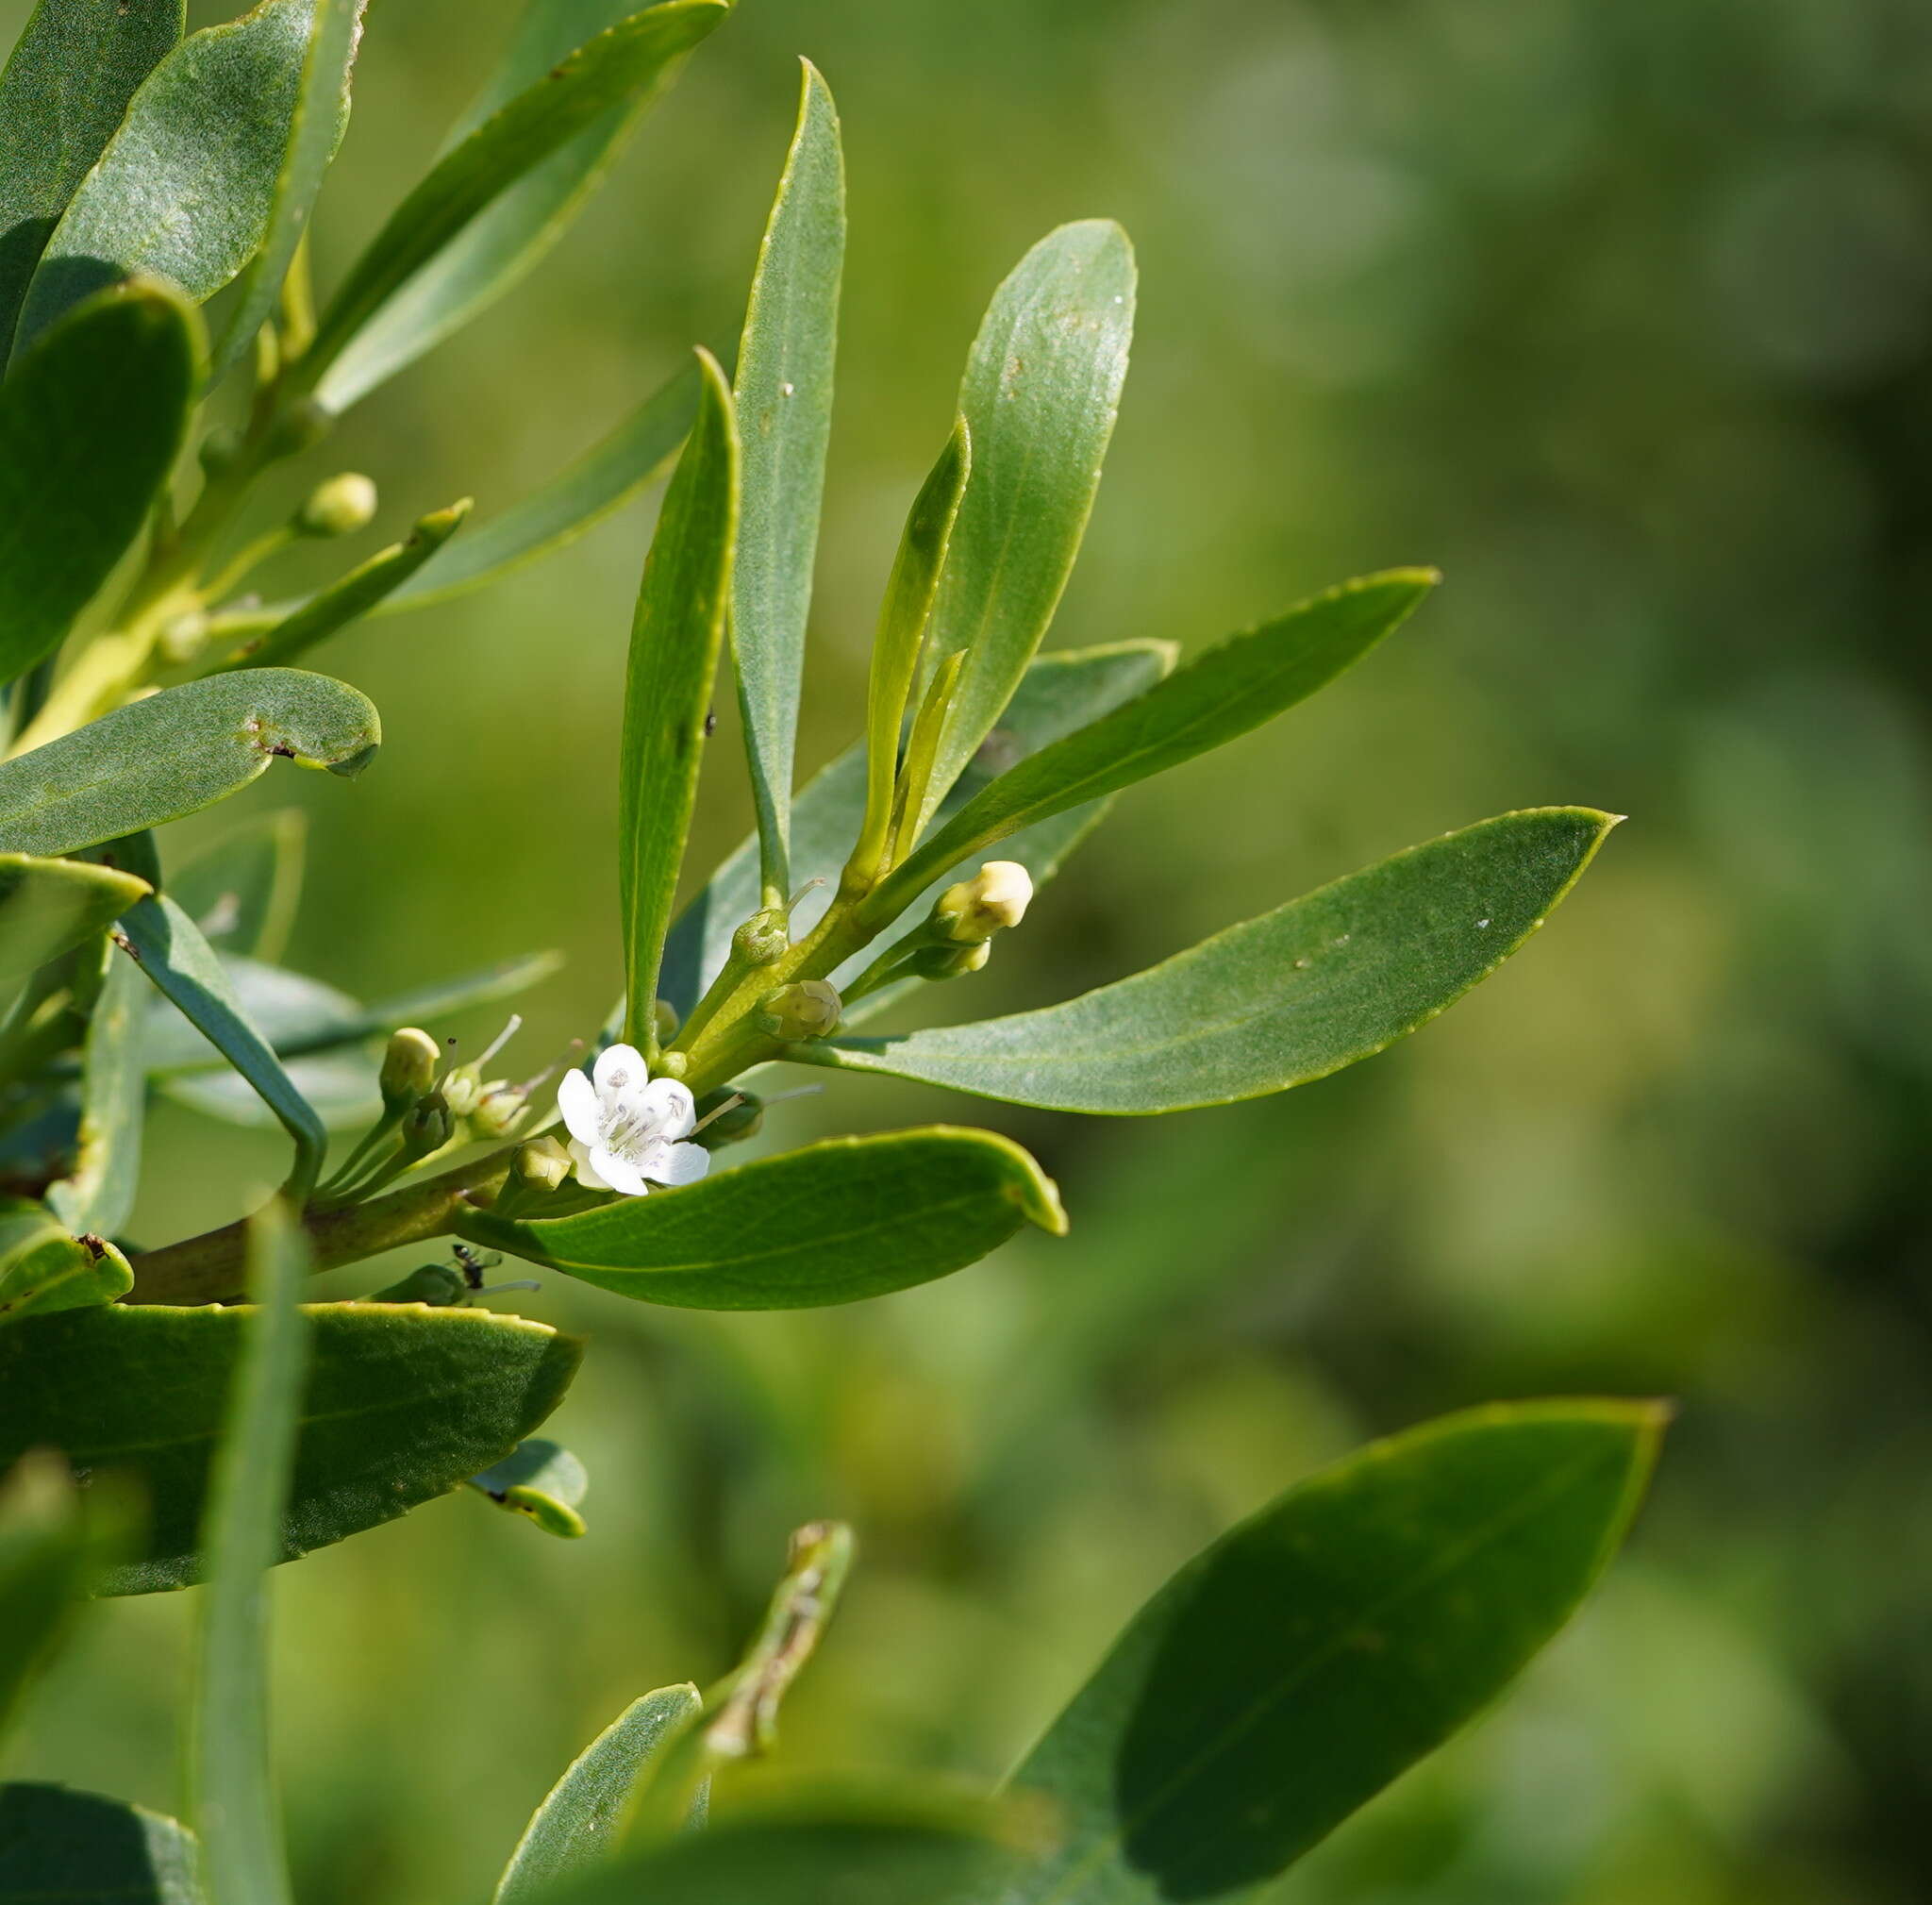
pixel 625 1125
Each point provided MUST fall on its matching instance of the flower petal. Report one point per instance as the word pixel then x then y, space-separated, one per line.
pixel 587 1172
pixel 618 1173
pixel 576 1101
pixel 677 1164
pixel 668 1106
pixel 620 1069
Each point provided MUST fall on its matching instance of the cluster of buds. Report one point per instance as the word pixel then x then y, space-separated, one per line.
pixel 955 938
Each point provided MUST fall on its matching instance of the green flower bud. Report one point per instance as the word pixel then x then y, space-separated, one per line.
pixel 427 1127
pixel 971 910
pixel 339 506
pixel 744 1120
pixel 807 1009
pixel 299 427
pixel 409 1067
pixel 543 1164
pixel 764 938
pixel 949 961
pixel 219 449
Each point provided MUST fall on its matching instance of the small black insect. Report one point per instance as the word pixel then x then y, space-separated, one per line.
pixel 711 722
pixel 474 1263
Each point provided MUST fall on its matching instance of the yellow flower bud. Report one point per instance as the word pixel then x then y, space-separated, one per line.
pixel 806 1010
pixel 971 910
pixel 950 962
pixel 339 506
pixel 543 1164
pixel 409 1067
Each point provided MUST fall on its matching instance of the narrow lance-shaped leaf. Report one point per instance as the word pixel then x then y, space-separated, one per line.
pixel 361 590
pixel 172 952
pixel 84 1849
pixel 1042 385
pixel 235 1814
pixel 98 1196
pixel 317 119
pixel 1210 701
pixel 503 241
pixel 577 1825
pixel 834 1223
pixel 91 422
pixel 177 751
pixel 1060 692
pixel 65 90
pixel 909 593
pixel 1315 985
pixel 50 905
pixel 1295 1668
pixel 44 1268
pixel 782 388
pixel 185 188
pixel 674 662
pixel 616 66
pixel 402 1405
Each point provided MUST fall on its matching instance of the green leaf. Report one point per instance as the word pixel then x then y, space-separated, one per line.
pixel 42 1268
pixel 1315 985
pixel 401 1404
pixel 66 86
pixel 909 593
pixel 172 952
pixel 1041 387
pixel 1297 1667
pixel 50 905
pixel 98 1196
pixel 541 1480
pixel 783 391
pixel 318 117
pixel 1059 692
pixel 618 66
pixel 673 661
pixel 579 1825
pixel 177 751
pixel 185 189
pixel 82 1849
pixel 339 1091
pixel 46 1564
pixel 241 889
pixel 248 1498
pixel 821 1850
pixel 503 241
pixel 834 1223
pixel 1209 702
pixel 636 453
pixel 91 422
pixel 348 600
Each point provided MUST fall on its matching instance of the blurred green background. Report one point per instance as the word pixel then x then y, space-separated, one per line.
pixel 1619 313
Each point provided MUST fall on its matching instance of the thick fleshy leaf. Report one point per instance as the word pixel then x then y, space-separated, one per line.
pixel 834 1223
pixel 348 600
pixel 91 422
pixel 172 952
pixel 579 1825
pixel 782 386
pixel 242 1859
pixel 1216 696
pixel 541 1482
pixel 1295 1668
pixel 403 1404
pixel 682 608
pixel 44 1267
pixel 46 1564
pixel 816 1851
pixel 65 90
pixel 177 751
pixel 242 889
pixel 49 906
pixel 98 1196
pixel 1315 985
pixel 616 67
pixel 185 188
pixel 319 114
pixel 1041 387
pixel 83 1849
pixel 503 241
pixel 1060 692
